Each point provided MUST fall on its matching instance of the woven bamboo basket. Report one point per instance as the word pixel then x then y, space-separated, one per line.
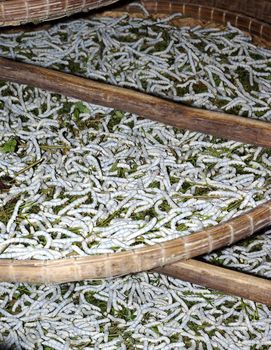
pixel 251 131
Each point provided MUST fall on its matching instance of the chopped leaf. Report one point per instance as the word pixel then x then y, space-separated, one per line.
pixel 9 146
pixel 81 107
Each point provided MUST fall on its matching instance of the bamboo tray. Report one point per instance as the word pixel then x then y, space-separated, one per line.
pixel 158 255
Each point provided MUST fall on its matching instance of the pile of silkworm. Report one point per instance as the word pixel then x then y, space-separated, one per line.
pixel 78 179
pixel 143 311
pixel 252 255
pixel 86 179
pixel 205 67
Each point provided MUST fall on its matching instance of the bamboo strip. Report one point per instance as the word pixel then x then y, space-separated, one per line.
pixel 131 261
pixel 222 279
pixel 16 12
pixel 218 124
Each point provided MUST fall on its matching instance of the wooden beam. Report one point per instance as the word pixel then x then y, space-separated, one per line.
pixel 219 278
pixel 223 125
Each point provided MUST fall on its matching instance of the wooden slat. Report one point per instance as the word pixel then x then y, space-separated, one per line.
pixel 137 260
pixel 221 279
pixel 17 12
pixel 223 125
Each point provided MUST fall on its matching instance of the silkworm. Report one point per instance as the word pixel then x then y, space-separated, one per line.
pixel 159 182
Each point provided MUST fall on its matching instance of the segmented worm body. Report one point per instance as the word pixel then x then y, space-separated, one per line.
pixel 242 13
pixel 149 257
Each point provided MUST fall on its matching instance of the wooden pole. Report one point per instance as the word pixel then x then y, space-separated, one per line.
pixel 140 259
pixel 223 125
pixel 222 279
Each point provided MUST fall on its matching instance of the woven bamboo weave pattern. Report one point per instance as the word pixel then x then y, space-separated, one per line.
pixel 210 12
pixel 252 8
pixel 14 12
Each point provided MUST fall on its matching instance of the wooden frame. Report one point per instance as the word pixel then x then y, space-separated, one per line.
pixel 220 278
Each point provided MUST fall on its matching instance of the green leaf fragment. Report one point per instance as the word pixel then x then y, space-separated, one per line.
pixel 81 107
pixel 9 146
